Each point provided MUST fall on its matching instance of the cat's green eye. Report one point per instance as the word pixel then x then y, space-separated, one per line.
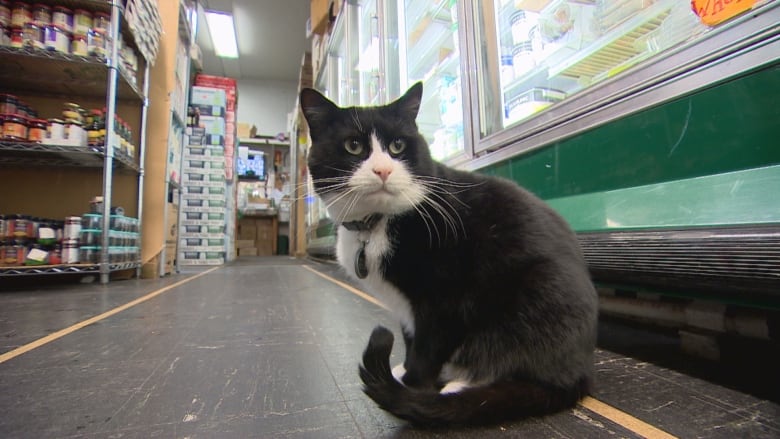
pixel 353 146
pixel 397 146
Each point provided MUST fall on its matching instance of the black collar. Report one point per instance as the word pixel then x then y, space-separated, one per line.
pixel 365 225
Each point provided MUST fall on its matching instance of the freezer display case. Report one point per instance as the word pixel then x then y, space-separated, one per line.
pixel 535 54
pixel 429 51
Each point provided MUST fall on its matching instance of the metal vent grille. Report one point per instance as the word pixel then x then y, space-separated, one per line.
pixel 725 260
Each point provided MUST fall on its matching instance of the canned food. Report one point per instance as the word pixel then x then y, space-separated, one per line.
pixel 33 36
pixel 63 18
pixel 41 14
pixel 82 22
pixel 15 127
pixel 21 14
pixel 36 130
pixel 5 13
pixel 57 39
pixel 79 45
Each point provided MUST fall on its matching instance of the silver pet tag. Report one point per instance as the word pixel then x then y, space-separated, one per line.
pixel 361 270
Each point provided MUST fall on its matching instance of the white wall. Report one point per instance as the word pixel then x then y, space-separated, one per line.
pixel 266 104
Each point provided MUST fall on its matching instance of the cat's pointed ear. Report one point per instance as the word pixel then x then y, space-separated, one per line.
pixel 409 103
pixel 317 109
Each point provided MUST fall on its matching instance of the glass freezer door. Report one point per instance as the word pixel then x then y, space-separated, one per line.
pixel 339 78
pixel 534 54
pixel 428 51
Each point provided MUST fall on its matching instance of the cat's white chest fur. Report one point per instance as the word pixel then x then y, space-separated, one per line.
pixel 377 246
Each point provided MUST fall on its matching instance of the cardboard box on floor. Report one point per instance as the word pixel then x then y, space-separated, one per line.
pixel 258 230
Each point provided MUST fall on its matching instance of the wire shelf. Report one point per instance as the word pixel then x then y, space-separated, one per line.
pixel 37 270
pixel 33 70
pixel 37 154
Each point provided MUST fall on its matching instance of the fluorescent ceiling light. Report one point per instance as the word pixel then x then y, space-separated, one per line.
pixel 223 33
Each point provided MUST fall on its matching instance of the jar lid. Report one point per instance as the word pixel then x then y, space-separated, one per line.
pixel 22 4
pixel 41 6
pixel 82 12
pixel 55 120
pixel 62 9
pixel 16 118
pixel 57 27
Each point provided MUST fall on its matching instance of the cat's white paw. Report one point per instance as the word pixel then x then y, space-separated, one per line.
pixel 398 373
pixel 454 386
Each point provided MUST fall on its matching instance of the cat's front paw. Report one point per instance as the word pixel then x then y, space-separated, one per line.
pixel 398 373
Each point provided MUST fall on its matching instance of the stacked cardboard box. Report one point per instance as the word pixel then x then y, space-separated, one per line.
pixel 204 193
pixel 256 236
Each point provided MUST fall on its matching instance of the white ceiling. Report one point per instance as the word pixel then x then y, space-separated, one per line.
pixel 271 39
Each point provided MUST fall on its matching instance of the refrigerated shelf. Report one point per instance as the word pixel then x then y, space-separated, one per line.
pixel 616 47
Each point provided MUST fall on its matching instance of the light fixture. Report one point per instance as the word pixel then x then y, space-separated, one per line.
pixel 223 33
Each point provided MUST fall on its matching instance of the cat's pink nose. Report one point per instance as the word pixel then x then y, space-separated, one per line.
pixel 383 173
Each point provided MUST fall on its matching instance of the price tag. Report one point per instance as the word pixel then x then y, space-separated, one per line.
pixel 712 12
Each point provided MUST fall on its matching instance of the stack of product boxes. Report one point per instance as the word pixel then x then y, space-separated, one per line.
pixel 204 191
pixel 230 87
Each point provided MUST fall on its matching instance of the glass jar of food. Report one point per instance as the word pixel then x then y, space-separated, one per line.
pixel 63 18
pixel 55 131
pixel 21 14
pixel 5 36
pixel 72 111
pixel 8 103
pixel 96 43
pixel 101 22
pixel 95 129
pixel 17 38
pixel 78 45
pixel 19 229
pixel 33 36
pixel 41 14
pixel 82 22
pixel 57 39
pixel 36 131
pixel 15 127
pixel 5 13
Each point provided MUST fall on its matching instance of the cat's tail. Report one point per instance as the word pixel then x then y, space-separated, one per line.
pixel 497 402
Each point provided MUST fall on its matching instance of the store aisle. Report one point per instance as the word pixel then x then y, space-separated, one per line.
pixel 269 348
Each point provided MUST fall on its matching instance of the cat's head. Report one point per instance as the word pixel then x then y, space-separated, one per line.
pixel 366 160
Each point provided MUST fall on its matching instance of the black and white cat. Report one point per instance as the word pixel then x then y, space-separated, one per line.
pixel 497 309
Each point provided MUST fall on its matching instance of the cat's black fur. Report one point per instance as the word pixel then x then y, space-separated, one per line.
pixel 497 286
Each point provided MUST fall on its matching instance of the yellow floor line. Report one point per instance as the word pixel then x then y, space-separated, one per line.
pixel 347 287
pixel 63 332
pixel 637 426
pixel 619 417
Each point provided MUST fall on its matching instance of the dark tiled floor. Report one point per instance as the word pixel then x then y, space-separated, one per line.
pixel 265 348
